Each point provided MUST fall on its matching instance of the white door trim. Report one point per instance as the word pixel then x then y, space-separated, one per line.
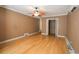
pixel 40 25
pixel 56 26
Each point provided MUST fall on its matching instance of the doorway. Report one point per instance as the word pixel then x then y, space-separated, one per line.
pixel 52 25
pixel 56 26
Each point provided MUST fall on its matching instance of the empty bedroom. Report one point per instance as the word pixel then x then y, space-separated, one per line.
pixel 39 29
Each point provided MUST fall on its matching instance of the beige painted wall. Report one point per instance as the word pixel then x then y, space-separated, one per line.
pixel 62 25
pixel 43 27
pixel 13 24
pixel 73 29
pixel 62 30
pixel 2 24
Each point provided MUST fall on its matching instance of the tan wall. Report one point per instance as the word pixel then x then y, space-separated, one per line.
pixel 62 25
pixel 15 24
pixel 62 30
pixel 2 24
pixel 73 29
pixel 43 29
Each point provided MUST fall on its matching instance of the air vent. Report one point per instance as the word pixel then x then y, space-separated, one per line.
pixel 73 9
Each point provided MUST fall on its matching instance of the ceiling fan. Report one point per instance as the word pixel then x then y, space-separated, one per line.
pixel 38 12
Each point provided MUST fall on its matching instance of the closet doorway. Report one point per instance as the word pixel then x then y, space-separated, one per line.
pixel 52 25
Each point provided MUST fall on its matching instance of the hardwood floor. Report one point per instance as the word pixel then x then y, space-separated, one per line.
pixel 36 44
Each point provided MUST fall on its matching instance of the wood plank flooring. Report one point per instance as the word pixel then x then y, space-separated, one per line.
pixel 36 44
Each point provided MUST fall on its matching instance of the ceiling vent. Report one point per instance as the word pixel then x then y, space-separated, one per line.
pixel 73 9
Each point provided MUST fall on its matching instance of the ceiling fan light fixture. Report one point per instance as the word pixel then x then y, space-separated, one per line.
pixel 36 14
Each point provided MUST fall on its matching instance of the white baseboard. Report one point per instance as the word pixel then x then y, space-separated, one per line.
pixel 71 49
pixel 29 34
pixel 26 34
pixel 60 36
pixel 43 33
pixel 33 33
pixel 12 39
pixel 69 45
pixel 16 38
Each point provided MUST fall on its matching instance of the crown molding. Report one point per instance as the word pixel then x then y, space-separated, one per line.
pixel 34 17
pixel 14 10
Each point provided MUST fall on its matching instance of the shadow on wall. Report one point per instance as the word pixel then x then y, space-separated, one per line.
pixel 2 25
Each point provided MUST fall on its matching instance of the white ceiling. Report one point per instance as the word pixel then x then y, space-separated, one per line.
pixel 50 10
